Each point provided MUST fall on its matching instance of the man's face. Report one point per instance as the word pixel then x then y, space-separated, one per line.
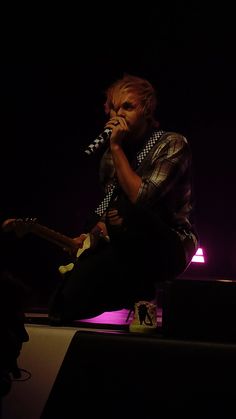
pixel 126 105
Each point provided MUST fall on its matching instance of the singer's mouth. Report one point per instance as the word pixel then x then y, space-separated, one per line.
pixel 116 123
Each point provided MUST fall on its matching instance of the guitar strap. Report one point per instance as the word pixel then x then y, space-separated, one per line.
pixel 112 188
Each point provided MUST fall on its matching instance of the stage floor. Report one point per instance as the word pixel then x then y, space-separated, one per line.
pixel 71 372
pixel 110 319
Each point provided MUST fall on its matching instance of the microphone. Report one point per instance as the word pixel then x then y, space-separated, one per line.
pixel 99 141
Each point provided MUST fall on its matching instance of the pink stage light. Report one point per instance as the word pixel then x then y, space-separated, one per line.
pixel 199 257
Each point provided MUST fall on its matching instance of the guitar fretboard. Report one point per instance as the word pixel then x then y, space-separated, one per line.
pixel 53 236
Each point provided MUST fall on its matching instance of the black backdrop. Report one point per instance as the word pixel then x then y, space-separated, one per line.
pixel 52 85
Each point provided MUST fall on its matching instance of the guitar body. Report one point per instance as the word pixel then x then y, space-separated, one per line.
pixel 67 268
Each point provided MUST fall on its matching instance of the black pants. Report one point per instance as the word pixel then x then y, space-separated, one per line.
pixel 117 274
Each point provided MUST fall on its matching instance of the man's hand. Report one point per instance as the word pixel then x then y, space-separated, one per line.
pixel 113 217
pixel 79 242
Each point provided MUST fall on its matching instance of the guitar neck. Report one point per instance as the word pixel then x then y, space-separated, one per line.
pixel 53 236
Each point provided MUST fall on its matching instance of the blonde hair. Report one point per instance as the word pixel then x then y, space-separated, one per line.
pixel 141 88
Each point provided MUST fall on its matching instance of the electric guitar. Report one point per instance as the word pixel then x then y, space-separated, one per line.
pixel 30 225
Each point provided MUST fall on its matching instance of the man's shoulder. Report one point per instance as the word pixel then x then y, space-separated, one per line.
pixel 173 136
pixel 170 142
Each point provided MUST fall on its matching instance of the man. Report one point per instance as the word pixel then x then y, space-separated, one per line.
pixel 144 233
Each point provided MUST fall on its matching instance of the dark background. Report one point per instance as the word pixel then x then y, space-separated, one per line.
pixel 53 76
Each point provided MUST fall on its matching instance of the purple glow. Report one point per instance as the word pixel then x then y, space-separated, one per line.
pixel 199 257
pixel 116 318
pixel 109 317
